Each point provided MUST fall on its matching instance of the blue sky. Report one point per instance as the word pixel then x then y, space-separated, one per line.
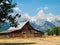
pixel 32 7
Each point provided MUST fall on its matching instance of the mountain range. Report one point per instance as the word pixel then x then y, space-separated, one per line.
pixel 41 21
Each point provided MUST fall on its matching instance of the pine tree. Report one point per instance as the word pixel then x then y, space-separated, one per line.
pixel 56 30
pixel 48 32
pixel 5 9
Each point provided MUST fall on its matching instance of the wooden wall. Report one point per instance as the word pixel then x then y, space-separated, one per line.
pixel 26 31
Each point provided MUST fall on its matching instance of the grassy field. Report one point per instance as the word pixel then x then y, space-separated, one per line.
pixel 48 40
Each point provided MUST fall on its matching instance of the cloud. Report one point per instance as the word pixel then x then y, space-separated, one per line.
pixel 17 9
pixel 24 17
pixel 39 8
pixel 46 7
pixel 40 18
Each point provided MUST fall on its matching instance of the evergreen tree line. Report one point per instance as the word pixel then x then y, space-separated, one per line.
pixel 54 31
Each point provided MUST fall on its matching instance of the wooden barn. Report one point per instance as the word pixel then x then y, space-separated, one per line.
pixel 25 31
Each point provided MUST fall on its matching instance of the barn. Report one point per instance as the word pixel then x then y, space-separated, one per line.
pixel 24 31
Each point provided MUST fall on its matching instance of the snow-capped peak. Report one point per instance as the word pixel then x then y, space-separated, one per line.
pixel 49 20
pixel 39 21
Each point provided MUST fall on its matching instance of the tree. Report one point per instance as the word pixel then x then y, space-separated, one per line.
pixel 48 32
pixel 59 29
pixel 1 30
pixel 56 30
pixel 52 32
pixel 5 9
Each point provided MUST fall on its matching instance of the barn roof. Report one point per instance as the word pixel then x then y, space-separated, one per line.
pixel 11 29
pixel 21 24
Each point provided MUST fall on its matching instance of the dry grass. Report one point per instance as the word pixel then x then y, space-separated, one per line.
pixel 49 40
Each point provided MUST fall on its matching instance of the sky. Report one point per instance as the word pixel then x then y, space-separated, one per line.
pixel 32 7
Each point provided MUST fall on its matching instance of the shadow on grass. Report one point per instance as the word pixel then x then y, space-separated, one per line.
pixel 16 43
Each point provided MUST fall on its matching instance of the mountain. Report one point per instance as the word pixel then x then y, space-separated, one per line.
pixel 43 27
pixel 41 21
pixel 56 22
pixel 5 26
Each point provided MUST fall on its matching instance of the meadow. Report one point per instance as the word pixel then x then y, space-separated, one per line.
pixel 48 40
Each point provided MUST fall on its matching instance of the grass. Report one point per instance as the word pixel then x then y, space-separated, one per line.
pixel 48 40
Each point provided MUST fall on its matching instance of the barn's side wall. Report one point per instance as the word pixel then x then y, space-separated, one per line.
pixel 26 31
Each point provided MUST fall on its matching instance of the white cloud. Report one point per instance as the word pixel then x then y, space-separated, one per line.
pixel 39 19
pixel 24 17
pixel 17 9
pixel 46 7
pixel 39 8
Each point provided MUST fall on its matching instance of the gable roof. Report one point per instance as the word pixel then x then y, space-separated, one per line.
pixel 20 26
pixel 11 29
